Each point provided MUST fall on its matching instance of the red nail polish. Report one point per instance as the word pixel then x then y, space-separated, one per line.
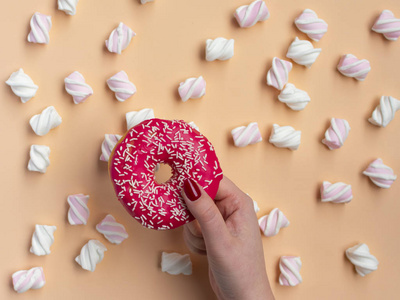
pixel 191 189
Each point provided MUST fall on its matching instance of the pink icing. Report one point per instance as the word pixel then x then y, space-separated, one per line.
pixel 45 21
pixel 154 141
pixel 278 75
pixel 256 12
pixel 290 260
pixel 393 28
pixel 360 67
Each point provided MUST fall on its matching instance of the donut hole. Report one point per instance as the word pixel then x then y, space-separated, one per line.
pixel 163 173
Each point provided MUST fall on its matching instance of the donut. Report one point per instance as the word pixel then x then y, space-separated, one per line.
pixel 160 206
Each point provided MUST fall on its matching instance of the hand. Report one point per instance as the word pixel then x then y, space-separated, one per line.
pixel 227 232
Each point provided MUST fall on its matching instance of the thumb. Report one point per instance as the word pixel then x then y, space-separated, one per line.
pixel 205 211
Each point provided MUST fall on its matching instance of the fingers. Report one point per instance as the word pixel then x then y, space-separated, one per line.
pixel 195 244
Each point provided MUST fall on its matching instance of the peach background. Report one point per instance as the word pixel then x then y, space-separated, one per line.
pixel 168 48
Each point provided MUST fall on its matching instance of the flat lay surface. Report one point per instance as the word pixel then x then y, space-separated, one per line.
pixel 169 47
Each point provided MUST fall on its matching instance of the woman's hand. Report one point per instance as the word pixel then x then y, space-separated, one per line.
pixel 227 232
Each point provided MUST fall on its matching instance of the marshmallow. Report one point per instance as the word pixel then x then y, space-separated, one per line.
pixel 119 38
pixel 91 254
pixel 68 6
pixel 385 111
pixel 273 222
pixel 136 117
pixel 192 88
pixel 22 85
pixel 336 134
pixel 249 15
pixel 39 158
pixel 294 98
pixel 351 66
pixel 78 212
pixel 388 25
pixel 25 280
pixel 303 52
pixel 256 208
pixel 285 137
pixel 175 263
pixel 220 48
pixel 246 135
pixel 42 239
pixel 380 174
pixel 113 231
pixel 363 261
pixel 338 192
pixel 110 140
pixel 309 23
pixel 121 86
pixel 45 121
pixel 40 27
pixel 290 270
pixel 278 75
pixel 75 86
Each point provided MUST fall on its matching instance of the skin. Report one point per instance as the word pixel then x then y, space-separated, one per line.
pixel 226 230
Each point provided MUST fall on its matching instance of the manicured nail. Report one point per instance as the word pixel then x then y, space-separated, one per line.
pixel 191 189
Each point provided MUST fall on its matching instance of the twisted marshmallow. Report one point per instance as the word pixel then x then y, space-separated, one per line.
pixel 194 126
pixel 290 270
pixel 110 140
pixel 119 38
pixel 91 254
pixel 246 135
pixel 78 212
pixel 285 137
pixel 336 134
pixel 113 231
pixel 68 6
pixel 278 75
pixel 303 52
pixel 121 86
pixel 175 263
pixel 75 86
pixel 384 112
pixel 136 117
pixel 380 174
pixel 351 66
pixel 192 88
pixel 294 98
pixel 45 121
pixel 40 27
pixel 249 15
pixel 360 257
pixel 309 23
pixel 39 158
pixel 42 239
pixel 220 48
pixel 272 223
pixel 256 208
pixel 337 192
pixel 388 25
pixel 25 280
pixel 22 85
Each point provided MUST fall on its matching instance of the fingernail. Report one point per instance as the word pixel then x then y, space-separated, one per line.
pixel 191 189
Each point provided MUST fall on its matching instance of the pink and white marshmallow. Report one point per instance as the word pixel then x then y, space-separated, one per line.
pixel 121 86
pixel 40 27
pixel 78 212
pixel 273 222
pixel 290 271
pixel 76 86
pixel 249 15
pixel 384 113
pixel 192 88
pixel 380 174
pixel 278 75
pixel 119 38
pixel 336 134
pixel 338 192
pixel 110 140
pixel 351 66
pixel 25 280
pixel 246 135
pixel 309 23
pixel 113 231
pixel 387 25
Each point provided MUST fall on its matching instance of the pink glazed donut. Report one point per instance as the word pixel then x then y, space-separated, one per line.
pixel 135 157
